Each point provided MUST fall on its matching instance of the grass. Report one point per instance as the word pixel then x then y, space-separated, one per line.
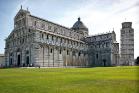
pixel 70 80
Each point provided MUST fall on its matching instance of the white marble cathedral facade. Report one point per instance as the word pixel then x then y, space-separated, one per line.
pixel 38 42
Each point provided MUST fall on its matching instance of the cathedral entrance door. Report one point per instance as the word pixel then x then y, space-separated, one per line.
pixel 11 61
pixel 27 60
pixel 104 62
pixel 18 60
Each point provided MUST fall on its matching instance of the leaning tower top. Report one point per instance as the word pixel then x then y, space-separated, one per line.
pixel 127 25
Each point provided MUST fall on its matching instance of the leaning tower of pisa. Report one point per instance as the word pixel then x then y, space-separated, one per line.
pixel 127 44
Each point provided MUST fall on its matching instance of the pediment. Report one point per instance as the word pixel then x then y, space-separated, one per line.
pixel 21 13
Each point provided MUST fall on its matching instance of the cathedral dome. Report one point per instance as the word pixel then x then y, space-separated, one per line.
pixel 79 25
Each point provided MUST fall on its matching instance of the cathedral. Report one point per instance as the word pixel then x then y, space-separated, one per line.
pixel 35 42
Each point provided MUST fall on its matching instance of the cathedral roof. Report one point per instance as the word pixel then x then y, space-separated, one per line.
pixel 79 25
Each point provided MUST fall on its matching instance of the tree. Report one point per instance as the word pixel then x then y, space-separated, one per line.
pixel 137 61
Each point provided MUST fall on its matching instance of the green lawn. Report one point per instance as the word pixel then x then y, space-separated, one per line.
pixel 70 80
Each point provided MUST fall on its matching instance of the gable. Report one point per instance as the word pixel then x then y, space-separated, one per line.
pixel 21 14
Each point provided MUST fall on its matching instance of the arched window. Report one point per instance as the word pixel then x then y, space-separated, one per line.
pixel 67 52
pixel 51 50
pixel 47 36
pixel 79 53
pixel 42 36
pixel 61 40
pixel 27 52
pixel 35 23
pixel 97 56
pixel 60 51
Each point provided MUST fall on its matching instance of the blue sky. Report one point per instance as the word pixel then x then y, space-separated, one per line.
pixel 99 16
